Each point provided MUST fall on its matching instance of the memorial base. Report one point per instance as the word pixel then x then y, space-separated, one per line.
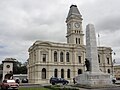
pixel 93 79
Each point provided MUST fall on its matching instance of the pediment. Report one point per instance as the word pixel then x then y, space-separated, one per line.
pixel 45 44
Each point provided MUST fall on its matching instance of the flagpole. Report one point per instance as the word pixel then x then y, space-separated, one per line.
pixel 98 40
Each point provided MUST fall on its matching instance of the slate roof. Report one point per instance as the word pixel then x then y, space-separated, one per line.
pixel 74 11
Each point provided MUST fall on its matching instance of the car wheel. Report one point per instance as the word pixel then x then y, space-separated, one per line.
pixel 6 88
pixel 53 83
pixel 2 88
pixel 66 83
pixel 63 83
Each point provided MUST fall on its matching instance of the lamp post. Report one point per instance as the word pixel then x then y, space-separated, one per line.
pixel 113 62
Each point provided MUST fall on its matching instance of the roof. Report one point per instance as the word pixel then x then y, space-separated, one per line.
pixel 9 60
pixel 74 11
pixel 55 44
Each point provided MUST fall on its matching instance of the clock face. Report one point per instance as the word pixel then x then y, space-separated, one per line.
pixel 8 66
pixel 77 25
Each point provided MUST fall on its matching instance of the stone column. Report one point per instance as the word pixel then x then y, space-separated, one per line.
pixel 64 57
pixel 58 56
pixel 50 56
pixel 91 48
pixel 39 56
pixel 92 77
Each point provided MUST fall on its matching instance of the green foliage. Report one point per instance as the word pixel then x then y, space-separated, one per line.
pixel 19 68
pixel 1 66
pixel 32 88
pixel 58 87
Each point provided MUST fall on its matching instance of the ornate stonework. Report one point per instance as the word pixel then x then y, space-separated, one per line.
pixel 66 60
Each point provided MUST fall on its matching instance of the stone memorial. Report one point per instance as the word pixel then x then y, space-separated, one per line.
pixel 92 77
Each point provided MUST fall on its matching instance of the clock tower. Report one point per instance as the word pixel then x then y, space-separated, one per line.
pixel 74 26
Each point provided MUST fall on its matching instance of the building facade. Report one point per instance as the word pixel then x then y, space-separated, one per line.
pixel 65 60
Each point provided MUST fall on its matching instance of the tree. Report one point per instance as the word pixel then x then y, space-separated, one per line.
pixel 19 68
pixel 1 68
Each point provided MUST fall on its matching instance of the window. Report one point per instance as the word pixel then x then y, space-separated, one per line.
pixel 62 73
pixel 108 70
pixel 79 71
pixel 79 40
pixel 34 56
pixel 76 40
pixel 61 57
pixel 67 56
pixel 99 58
pixel 55 56
pixel 108 61
pixel 44 57
pixel 68 73
pixel 43 73
pixel 55 73
pixel 79 59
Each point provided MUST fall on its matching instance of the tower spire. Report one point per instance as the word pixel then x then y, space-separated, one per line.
pixel 74 11
pixel 74 26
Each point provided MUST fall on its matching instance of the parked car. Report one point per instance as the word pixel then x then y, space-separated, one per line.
pixel 9 84
pixel 55 80
pixel 25 80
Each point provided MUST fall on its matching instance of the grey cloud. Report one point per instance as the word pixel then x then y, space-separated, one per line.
pixel 24 21
pixel 110 24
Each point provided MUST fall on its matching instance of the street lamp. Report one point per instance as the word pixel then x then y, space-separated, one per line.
pixel 113 62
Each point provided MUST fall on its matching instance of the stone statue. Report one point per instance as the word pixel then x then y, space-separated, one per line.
pixel 87 64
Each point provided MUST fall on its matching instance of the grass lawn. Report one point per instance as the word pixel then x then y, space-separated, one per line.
pixel 50 87
pixel 36 88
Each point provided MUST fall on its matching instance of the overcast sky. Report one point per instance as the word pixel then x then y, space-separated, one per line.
pixel 22 22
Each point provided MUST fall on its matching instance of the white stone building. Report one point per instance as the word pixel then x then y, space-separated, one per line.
pixel 65 60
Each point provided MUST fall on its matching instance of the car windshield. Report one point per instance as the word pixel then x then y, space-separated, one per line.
pixel 10 81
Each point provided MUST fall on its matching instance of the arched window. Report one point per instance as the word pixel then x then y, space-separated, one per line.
pixel 62 73
pixel 55 56
pixel 79 71
pixel 61 56
pixel 55 73
pixel 67 57
pixel 43 73
pixel 108 70
pixel 79 40
pixel 98 58
pixel 68 73
pixel 108 62
pixel 76 40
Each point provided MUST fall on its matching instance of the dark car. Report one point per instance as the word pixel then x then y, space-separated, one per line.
pixel 25 80
pixel 55 80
